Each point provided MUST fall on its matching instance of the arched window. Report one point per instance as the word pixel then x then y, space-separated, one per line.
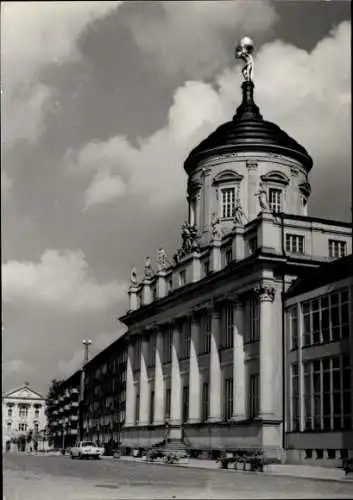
pixel 228 186
pixel 276 183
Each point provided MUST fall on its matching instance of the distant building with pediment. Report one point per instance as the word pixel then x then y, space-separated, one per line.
pixel 23 409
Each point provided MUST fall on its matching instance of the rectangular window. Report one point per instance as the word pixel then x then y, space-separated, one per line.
pixel 228 398
pixel 206 268
pixel 23 412
pixel 295 397
pixel 326 318
pixel 151 408
pixel 204 409
pixel 185 413
pixel 227 326
pixel 182 278
pixel 137 354
pixel 254 396
pixel 22 427
pixel 205 341
pixel 275 200
pixel 137 405
pixel 337 248
pixel 254 309
pixel 9 426
pixel 228 256
pixel 295 243
pixel 152 350
pixel 252 245
pixel 328 394
pixel 167 345
pixel 167 404
pixel 185 336
pixel 9 412
pixel 228 202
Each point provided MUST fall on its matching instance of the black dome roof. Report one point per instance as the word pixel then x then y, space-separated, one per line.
pixel 248 132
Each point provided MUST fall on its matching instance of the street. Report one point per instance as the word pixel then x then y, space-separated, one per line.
pixel 57 478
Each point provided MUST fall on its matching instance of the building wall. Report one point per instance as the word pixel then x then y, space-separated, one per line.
pixel 22 424
pixel 332 437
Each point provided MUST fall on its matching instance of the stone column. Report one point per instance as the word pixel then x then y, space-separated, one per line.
pixel 215 379
pixel 266 294
pixel 239 401
pixel 207 188
pixel 158 382
pixel 130 390
pixel 175 407
pixel 194 373
pixel 144 388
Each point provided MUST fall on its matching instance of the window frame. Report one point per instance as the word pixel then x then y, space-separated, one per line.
pixel 227 208
pixel 295 243
pixel 273 205
pixel 336 252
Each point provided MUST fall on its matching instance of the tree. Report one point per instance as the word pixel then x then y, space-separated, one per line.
pixel 50 403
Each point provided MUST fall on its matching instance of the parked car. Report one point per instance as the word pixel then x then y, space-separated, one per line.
pixel 86 449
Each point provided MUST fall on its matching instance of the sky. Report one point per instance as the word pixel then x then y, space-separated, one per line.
pixel 100 104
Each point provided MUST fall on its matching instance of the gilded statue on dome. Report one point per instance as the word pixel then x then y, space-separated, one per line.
pixel 244 51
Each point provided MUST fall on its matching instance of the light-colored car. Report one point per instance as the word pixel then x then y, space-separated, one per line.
pixel 86 449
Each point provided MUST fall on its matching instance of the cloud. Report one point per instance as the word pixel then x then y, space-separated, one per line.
pixel 33 35
pixel 104 187
pixel 61 280
pixel 14 366
pixel 313 106
pixel 194 39
pixel 100 342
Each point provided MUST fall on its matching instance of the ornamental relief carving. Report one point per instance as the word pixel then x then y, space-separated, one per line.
pixel 266 293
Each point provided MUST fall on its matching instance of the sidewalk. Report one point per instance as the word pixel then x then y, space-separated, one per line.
pixel 300 471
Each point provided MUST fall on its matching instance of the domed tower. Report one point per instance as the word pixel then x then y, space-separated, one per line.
pixel 246 166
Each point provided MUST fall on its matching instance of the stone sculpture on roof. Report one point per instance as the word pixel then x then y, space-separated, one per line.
pixel 162 262
pixel 133 276
pixel 239 216
pixel 216 228
pixel 148 271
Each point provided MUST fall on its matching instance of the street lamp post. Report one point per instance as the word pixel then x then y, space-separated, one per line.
pixel 86 344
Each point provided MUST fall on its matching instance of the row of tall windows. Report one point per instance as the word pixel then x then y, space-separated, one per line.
pixel 326 319
pixel 205 333
pixel 229 197
pixel 167 345
pixel 327 394
pixel 227 326
pixel 185 335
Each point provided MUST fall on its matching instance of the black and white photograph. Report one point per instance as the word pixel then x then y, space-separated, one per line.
pixel 177 266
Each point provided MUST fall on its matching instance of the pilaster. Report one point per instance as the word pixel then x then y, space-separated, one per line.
pixel 215 379
pixel 252 170
pixel 158 382
pixel 175 410
pixel 130 390
pixel 133 298
pixel 239 395
pixel 194 373
pixel 266 293
pixel 216 255
pixel 238 247
pixel 196 266
pixel 144 388
pixel 162 287
pixel 147 295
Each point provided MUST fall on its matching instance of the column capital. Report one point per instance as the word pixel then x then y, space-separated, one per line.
pixel 266 292
pixel 251 164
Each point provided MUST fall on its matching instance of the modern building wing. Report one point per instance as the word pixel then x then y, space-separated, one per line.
pixel 319 367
